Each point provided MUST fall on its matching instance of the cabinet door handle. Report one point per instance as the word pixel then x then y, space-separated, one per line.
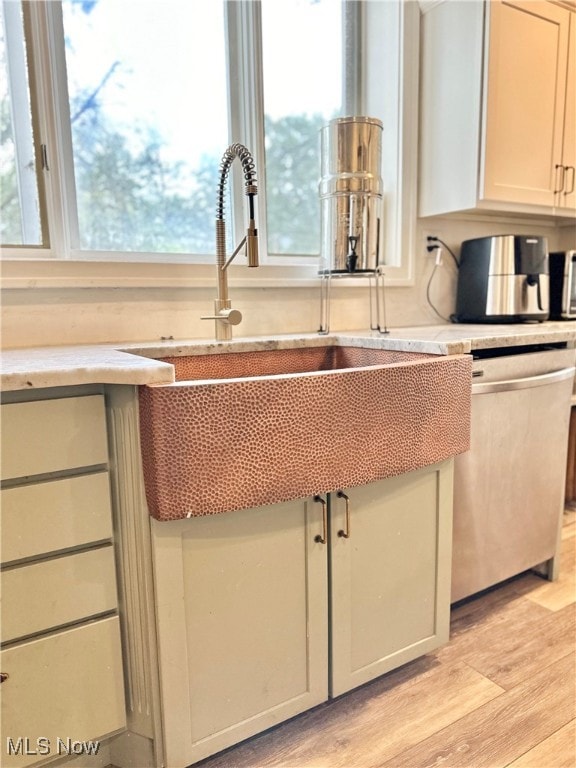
pixel 562 178
pixel 345 534
pixel 322 539
pixel 4 676
pixel 568 169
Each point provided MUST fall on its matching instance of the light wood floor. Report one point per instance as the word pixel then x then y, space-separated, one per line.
pixel 501 693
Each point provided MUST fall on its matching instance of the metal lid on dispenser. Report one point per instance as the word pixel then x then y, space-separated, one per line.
pixel 351 195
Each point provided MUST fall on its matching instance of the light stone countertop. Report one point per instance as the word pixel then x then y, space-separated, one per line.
pixel 451 339
pixel 134 363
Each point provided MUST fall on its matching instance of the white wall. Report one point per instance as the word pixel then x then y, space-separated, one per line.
pixel 40 316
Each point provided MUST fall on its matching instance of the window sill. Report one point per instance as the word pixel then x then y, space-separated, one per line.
pixel 58 274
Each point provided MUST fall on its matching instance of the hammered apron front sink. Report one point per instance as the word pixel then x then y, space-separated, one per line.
pixel 243 429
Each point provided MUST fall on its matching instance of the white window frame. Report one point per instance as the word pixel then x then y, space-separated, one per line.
pixel 33 220
pixel 390 30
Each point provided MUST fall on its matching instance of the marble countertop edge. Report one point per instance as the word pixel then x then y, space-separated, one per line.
pixel 136 363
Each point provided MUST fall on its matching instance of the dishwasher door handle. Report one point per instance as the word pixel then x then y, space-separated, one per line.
pixel 507 385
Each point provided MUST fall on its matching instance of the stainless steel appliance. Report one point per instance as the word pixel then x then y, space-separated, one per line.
pixel 563 285
pixel 351 206
pixel 509 488
pixel 351 194
pixel 501 279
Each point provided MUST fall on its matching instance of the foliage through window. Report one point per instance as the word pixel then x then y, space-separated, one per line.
pixel 302 73
pixel 114 147
pixel 148 114
pixel 148 105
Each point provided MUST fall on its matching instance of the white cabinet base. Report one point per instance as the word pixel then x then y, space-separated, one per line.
pixel 259 617
pixel 241 607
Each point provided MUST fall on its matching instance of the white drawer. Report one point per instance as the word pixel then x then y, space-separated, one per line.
pixel 67 685
pixel 54 592
pixel 45 517
pixel 52 435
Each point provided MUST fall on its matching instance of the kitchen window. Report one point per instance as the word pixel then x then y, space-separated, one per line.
pixel 22 221
pixel 132 105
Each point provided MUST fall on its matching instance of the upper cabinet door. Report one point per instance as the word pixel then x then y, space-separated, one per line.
pixel 525 101
pixel 497 115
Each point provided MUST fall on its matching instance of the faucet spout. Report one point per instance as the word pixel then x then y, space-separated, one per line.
pixel 224 315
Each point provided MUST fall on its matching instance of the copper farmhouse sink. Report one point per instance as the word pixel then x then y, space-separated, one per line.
pixel 243 429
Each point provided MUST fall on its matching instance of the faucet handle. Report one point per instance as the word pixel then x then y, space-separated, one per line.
pixel 252 246
pixel 228 316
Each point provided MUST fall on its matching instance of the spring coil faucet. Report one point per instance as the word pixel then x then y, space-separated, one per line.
pixel 224 315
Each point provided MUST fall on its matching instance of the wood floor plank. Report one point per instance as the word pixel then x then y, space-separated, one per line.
pixel 494 605
pixel 487 622
pixel 503 729
pixel 568 531
pixel 556 595
pixel 361 732
pixel 557 751
pixel 512 657
pixel 569 520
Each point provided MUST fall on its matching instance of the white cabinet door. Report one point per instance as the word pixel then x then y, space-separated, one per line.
pixel 390 597
pixel 525 100
pixel 242 624
pixel 497 107
pixel 45 436
pixel 54 515
pixel 566 198
pixel 58 591
pixel 62 688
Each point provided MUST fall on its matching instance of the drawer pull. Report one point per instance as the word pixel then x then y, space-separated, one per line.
pixel 345 534
pixel 572 170
pixel 322 539
pixel 560 183
pixel 4 676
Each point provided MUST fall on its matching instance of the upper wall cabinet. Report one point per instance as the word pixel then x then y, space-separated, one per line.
pixel 497 129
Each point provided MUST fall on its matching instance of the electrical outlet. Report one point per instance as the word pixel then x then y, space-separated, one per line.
pixel 429 241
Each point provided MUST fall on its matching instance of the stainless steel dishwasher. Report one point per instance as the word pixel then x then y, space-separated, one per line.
pixel 509 488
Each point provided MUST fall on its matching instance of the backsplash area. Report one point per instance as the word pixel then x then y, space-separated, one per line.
pixel 35 316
